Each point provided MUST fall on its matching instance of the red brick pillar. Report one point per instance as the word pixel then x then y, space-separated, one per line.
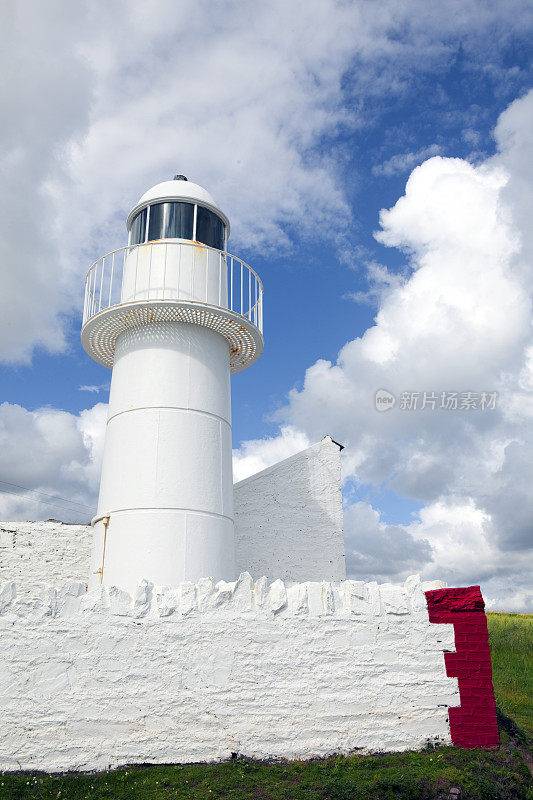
pixel 473 723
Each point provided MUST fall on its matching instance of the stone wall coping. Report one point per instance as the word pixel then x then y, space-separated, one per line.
pixel 242 597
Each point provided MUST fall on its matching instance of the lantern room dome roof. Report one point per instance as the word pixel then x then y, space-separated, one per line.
pixel 177 190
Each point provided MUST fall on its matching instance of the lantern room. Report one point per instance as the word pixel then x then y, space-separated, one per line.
pixel 178 209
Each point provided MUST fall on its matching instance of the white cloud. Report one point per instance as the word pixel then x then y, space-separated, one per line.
pixel 375 550
pixel 101 100
pixel 45 101
pixel 518 601
pixel 381 281
pixel 404 162
pixel 451 540
pixel 94 389
pixel 461 321
pixel 257 454
pixel 48 457
pixel 466 550
pixel 471 136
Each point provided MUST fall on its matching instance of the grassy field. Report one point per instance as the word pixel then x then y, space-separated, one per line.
pixel 511 647
pixel 400 776
pixel 439 774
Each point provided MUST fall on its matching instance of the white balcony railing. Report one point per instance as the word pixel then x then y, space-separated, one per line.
pixel 174 270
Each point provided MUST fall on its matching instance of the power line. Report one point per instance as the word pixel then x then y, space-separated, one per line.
pixel 55 499
pixel 46 502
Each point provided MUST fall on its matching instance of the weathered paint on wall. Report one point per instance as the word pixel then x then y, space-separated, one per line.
pixel 32 553
pixel 288 518
pixel 91 680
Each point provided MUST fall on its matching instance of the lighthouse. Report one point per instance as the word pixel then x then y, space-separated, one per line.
pixel 173 314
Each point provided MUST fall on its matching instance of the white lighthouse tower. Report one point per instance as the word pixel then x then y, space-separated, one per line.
pixel 173 314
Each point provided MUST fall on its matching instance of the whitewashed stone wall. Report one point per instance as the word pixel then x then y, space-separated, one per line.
pixel 288 518
pixel 92 680
pixel 52 552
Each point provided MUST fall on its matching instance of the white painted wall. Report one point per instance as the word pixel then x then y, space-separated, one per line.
pixel 33 553
pixel 288 518
pixel 98 679
pixel 167 271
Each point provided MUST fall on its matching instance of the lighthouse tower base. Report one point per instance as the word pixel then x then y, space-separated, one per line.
pixel 165 510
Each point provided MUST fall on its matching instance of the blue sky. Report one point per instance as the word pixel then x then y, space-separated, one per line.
pixel 304 123
pixel 435 109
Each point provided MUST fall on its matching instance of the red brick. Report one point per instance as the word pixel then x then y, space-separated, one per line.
pixel 473 723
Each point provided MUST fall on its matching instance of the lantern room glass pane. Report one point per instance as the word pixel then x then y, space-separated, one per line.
pixel 171 221
pixel 180 221
pixel 138 228
pixel 209 228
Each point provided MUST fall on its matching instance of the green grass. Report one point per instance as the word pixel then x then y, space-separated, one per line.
pixel 398 776
pixel 511 647
pixel 478 774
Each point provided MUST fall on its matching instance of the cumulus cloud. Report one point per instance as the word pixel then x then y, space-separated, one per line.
pixel 257 454
pixel 241 98
pixel 465 550
pixel 50 462
pixel 461 321
pixel 46 103
pixel 376 551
